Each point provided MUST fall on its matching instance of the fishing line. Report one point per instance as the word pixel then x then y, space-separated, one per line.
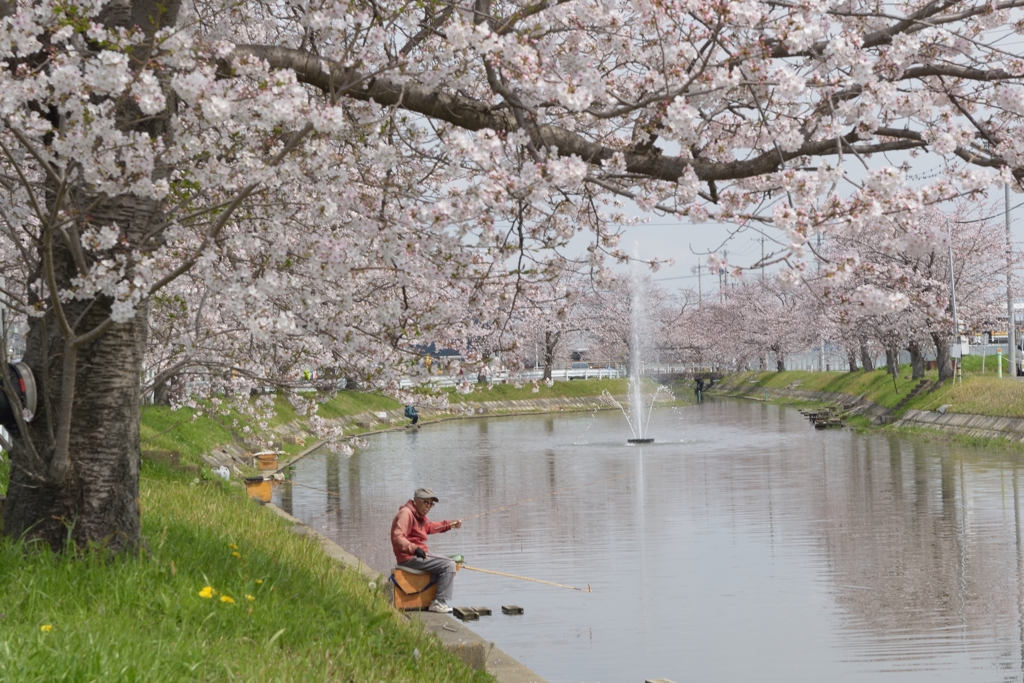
pixel 526 578
pixel 307 486
pixel 545 495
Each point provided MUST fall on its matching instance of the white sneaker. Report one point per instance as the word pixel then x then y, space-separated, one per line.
pixel 440 607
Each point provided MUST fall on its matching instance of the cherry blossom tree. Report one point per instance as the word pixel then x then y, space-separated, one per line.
pixel 632 316
pixel 347 179
pixel 907 256
pixel 767 319
pixel 549 312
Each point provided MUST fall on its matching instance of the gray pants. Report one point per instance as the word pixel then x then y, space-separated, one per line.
pixel 441 567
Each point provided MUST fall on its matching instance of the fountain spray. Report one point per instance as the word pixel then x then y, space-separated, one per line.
pixel 639 334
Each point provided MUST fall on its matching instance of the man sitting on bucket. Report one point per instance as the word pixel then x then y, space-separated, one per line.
pixel 409 533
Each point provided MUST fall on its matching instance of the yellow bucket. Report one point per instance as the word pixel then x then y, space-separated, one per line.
pixel 258 488
pixel 266 461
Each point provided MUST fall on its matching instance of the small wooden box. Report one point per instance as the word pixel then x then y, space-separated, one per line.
pixel 413 591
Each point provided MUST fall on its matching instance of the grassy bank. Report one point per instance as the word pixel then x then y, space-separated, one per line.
pixel 509 392
pixel 223 592
pixel 192 433
pixel 978 394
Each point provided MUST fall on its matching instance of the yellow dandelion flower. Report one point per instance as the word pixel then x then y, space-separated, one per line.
pixel 259 582
pixel 236 554
pixel 46 628
pixel 250 598
pixel 228 599
pixel 232 546
pixel 207 592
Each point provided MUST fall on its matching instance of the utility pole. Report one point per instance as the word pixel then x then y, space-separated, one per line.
pixel 3 315
pixel 1011 317
pixel 700 295
pixel 821 338
pixel 762 258
pixel 723 274
pixel 952 298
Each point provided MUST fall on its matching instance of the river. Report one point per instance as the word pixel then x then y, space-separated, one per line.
pixel 743 545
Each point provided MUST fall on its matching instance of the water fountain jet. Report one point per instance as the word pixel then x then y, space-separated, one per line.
pixel 639 414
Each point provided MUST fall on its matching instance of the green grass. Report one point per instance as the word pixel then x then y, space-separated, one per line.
pixel 293 614
pixel 571 389
pixel 878 386
pixel 351 402
pixel 191 435
pixel 180 430
pixel 978 394
pixel 92 618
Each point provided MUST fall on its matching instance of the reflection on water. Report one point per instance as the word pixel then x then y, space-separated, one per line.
pixel 743 545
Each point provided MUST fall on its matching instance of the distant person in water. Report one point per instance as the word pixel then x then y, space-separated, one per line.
pixel 409 532
pixel 410 412
pixel 699 391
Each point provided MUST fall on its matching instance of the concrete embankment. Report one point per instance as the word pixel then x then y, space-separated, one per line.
pixel 850 403
pixel 1008 428
pixel 984 426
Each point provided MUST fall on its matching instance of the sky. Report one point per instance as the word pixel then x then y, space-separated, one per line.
pixel 688 244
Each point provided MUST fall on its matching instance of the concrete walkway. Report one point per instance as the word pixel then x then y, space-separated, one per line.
pixel 470 647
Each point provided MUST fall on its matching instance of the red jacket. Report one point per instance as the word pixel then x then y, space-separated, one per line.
pixel 409 531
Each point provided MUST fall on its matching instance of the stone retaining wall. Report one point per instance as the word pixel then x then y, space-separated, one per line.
pixel 1009 428
pixel 852 404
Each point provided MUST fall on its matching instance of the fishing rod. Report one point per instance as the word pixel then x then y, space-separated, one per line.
pixel 545 495
pixel 526 578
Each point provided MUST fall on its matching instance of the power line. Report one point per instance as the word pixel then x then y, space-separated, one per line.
pixel 988 218
pixel 681 277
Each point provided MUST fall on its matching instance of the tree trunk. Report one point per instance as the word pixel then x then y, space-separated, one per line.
pixel 75 468
pixel 865 359
pixel 94 499
pixel 780 360
pixel 551 340
pixel 916 360
pixel 851 357
pixel 942 355
pixel 892 361
pixel 170 387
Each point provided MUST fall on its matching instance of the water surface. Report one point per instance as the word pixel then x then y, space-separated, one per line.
pixel 742 546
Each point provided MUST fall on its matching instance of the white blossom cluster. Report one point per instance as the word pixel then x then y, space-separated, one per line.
pixel 335 187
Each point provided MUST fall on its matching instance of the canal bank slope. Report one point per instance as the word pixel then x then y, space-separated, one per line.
pixel 226 590
pixel 980 406
pixel 294 438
